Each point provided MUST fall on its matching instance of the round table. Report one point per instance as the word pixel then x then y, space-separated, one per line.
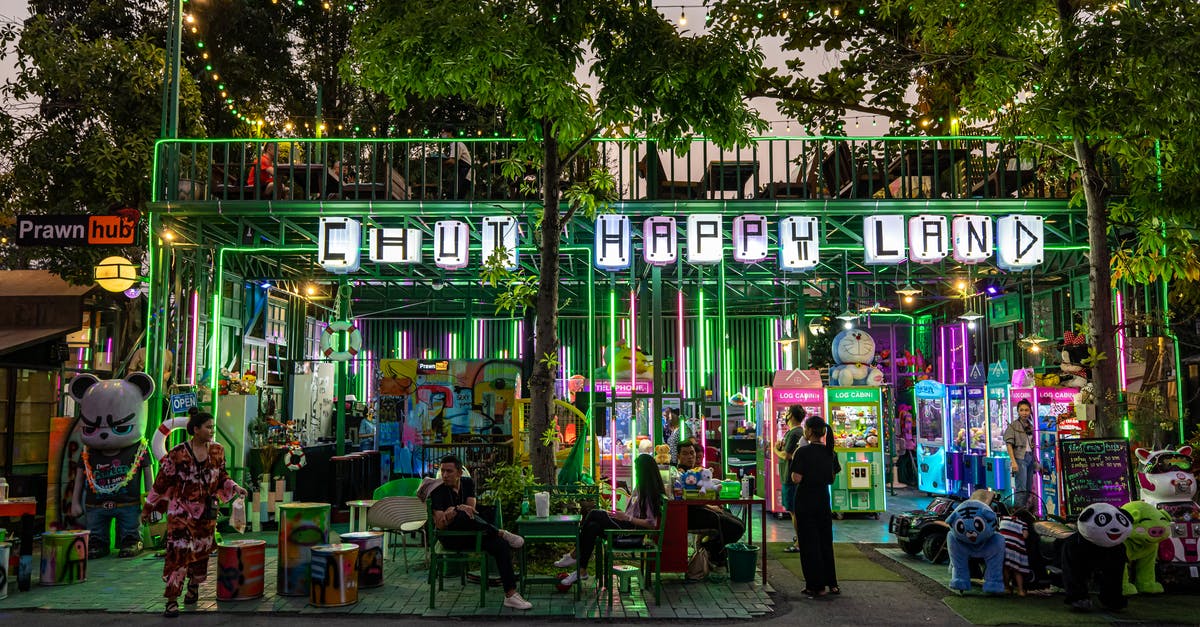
pixel 358 513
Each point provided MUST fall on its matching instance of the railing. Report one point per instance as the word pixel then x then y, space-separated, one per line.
pixel 770 168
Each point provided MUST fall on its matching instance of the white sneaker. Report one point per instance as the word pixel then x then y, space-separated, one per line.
pixel 517 602
pixel 513 540
pixel 567 561
pixel 570 579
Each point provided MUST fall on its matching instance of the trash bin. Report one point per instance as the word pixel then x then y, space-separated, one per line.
pixel 742 558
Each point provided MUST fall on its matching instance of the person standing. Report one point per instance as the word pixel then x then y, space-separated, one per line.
pixel 812 469
pixel 785 448
pixel 1018 438
pixel 191 477
pixel 366 432
pixel 458 160
pixel 453 507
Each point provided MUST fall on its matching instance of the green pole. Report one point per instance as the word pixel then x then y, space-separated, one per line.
pixel 343 308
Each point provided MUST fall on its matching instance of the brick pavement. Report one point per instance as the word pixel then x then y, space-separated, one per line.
pixel 135 586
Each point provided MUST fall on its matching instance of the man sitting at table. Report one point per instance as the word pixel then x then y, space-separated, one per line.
pixel 709 518
pixel 262 174
pixel 453 506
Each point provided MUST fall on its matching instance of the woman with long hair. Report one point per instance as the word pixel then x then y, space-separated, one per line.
pixel 641 513
pixel 812 469
pixel 191 477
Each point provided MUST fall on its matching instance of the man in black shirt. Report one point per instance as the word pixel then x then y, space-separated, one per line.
pixel 453 506
pixel 729 528
pixel 812 469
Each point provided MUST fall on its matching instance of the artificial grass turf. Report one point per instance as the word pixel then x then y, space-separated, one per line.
pixel 982 609
pixel 852 564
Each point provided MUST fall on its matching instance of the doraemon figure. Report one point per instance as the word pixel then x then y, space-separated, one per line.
pixel 854 351
pixel 1150 527
pixel 973 533
pixel 1098 548
pixel 112 419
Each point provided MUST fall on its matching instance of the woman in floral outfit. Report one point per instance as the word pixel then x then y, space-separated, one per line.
pixel 190 478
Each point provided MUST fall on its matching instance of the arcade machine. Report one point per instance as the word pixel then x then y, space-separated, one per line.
pixel 1055 419
pixel 856 415
pixel 968 447
pixel 774 403
pixel 999 413
pixel 931 436
pixel 956 440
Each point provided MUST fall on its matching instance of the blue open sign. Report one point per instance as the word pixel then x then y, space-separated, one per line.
pixel 181 403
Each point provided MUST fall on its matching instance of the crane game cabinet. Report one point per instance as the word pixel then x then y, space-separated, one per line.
pixel 855 415
pixel 775 402
pixel 931 436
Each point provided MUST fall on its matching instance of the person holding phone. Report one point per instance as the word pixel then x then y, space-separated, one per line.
pixel 1018 438
pixel 641 512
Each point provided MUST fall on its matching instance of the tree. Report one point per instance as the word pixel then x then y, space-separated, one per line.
pixel 524 57
pixel 1112 89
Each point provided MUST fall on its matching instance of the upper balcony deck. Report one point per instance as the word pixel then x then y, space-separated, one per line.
pixel 196 176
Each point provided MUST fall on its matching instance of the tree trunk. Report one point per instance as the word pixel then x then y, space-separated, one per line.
pixel 541 384
pixel 1104 374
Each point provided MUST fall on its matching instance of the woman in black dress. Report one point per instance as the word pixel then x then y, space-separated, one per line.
pixel 812 469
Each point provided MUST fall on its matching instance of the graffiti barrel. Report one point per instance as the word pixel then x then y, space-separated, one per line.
pixel 334 575
pixel 64 557
pixel 240 569
pixel 301 527
pixel 5 554
pixel 370 557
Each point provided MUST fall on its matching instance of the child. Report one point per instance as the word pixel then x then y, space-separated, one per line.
pixel 1015 532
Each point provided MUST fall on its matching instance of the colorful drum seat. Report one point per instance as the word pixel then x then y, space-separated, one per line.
pixel 64 557
pixel 301 527
pixel 334 575
pixel 370 557
pixel 241 566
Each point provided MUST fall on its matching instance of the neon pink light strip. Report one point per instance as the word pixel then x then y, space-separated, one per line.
pixel 368 378
pixel 942 357
pixel 962 327
pixel 108 351
pixel 633 350
pixel 681 365
pixel 194 336
pixel 1121 340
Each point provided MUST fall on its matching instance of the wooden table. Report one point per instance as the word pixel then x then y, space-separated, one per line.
pixel 675 539
pixel 26 509
pixel 729 176
pixel 558 528
pixel 359 522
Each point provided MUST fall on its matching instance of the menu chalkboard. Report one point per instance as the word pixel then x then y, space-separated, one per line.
pixel 1094 470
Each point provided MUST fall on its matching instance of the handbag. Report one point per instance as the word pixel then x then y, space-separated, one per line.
pixel 628 541
pixel 210 509
pixel 698 566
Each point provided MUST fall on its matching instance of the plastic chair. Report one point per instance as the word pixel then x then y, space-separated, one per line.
pixel 440 556
pixel 397 487
pixel 649 551
pixel 401 515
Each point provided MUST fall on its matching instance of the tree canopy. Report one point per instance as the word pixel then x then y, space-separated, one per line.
pixel 529 59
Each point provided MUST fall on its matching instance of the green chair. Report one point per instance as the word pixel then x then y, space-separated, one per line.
pixel 648 553
pixel 397 487
pixel 441 556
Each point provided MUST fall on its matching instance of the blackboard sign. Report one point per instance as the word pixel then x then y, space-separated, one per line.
pixel 1094 470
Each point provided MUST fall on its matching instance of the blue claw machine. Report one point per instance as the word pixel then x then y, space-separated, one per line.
pixel 931 436
pixel 999 413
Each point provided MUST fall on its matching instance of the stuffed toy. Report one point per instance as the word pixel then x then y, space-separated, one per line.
pixel 1022 378
pixel 662 454
pixel 1168 484
pixel 250 382
pixel 1097 548
pixel 973 533
pixel 1074 350
pixel 1150 527
pixel 854 350
pixel 116 460
pixel 630 361
pixel 707 483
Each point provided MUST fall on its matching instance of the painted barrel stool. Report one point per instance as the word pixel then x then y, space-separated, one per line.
pixel 301 527
pixel 334 575
pixel 241 566
pixel 64 557
pixel 5 555
pixel 370 557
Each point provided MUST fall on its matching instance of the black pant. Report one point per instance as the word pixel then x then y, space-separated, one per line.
pixel 492 544
pixel 814 531
pixel 590 530
pixel 729 529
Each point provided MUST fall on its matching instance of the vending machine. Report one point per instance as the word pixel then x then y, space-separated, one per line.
pixel 856 417
pixel 776 402
pixel 931 436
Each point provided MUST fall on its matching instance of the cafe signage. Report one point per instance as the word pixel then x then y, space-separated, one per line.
pixel 1016 241
pixel 80 230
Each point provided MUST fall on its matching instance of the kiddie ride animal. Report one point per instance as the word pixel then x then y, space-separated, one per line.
pixel 854 351
pixel 1092 548
pixel 112 417
pixel 973 534
pixel 1168 484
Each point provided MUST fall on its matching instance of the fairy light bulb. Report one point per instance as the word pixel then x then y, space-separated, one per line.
pixel 682 18
pixel 908 300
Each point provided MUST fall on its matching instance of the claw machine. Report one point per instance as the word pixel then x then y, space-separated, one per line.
pixel 967 443
pixel 775 401
pixel 856 416
pixel 931 436
pixel 1000 409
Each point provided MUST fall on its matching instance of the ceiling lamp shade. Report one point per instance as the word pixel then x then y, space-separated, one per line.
pixel 908 290
pixel 115 274
pixel 971 315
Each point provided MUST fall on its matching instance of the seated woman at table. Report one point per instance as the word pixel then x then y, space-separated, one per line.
pixel 262 175
pixel 453 507
pixel 642 512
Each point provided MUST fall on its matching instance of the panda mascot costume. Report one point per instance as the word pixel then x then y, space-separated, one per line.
pixel 973 534
pixel 1098 548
